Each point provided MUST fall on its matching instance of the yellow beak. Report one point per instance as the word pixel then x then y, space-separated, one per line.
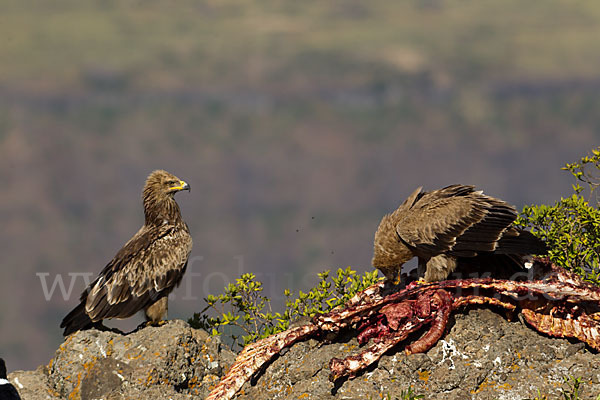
pixel 182 186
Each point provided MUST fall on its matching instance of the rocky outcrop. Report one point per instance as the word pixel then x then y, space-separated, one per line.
pixel 482 356
pixel 173 361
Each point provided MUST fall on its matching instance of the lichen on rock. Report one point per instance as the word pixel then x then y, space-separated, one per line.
pixel 172 361
pixel 483 356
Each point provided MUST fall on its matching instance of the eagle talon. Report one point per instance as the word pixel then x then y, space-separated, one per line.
pixel 155 324
pixel 141 326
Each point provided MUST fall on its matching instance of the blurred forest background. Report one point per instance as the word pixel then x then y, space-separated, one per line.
pixel 298 124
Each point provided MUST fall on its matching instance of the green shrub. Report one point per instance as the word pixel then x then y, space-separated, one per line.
pixel 246 315
pixel 573 387
pixel 570 390
pixel 410 395
pixel 571 227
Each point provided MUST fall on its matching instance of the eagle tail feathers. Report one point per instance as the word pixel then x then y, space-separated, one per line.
pixel 76 320
pixel 523 243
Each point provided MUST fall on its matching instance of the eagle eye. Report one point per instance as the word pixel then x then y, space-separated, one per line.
pixel 171 182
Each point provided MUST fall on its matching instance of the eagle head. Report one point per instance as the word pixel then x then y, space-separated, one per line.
pixel 389 253
pixel 159 204
pixel 163 183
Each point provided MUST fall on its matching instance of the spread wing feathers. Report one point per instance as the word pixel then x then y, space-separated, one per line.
pixel 148 267
pixel 455 219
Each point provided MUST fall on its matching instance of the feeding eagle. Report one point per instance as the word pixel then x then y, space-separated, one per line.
pixel 451 227
pixel 146 269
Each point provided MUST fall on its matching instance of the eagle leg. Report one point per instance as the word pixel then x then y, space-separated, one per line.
pixel 421 268
pixel 157 311
pixel 439 267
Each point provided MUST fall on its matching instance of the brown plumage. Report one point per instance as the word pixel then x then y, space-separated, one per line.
pixel 448 228
pixel 148 267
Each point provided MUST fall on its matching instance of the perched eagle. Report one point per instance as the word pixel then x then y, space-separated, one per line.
pixel 146 269
pixel 451 227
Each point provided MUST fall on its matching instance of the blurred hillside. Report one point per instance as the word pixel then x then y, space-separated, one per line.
pixel 297 124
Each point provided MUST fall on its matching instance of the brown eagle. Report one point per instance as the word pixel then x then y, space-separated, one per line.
pixel 146 269
pixel 449 228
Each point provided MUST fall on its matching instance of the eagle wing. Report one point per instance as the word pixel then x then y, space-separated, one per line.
pixel 455 219
pixel 148 267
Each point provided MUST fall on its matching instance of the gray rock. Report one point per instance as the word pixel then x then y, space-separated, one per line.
pixel 483 356
pixel 173 361
pixel 32 385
